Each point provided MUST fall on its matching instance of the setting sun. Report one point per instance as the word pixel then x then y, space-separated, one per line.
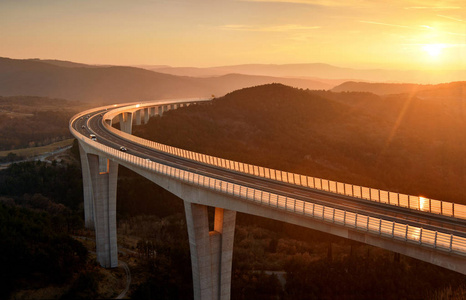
pixel 433 50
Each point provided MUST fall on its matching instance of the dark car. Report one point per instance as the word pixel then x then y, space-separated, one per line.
pixel 123 149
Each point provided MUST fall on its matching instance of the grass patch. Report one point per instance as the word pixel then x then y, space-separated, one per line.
pixel 33 151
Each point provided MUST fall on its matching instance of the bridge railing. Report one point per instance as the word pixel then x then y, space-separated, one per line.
pixel 376 195
pixel 403 232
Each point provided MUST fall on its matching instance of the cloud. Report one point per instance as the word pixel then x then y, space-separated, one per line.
pixel 434 7
pixel 427 5
pixel 280 28
pixel 385 24
pixel 455 33
pixel 307 2
pixel 426 26
pixel 451 18
pixel 420 26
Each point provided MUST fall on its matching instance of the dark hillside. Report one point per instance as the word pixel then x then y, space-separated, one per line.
pixel 452 90
pixel 378 88
pixel 26 77
pixel 35 121
pixel 240 125
pixel 110 84
pixel 398 143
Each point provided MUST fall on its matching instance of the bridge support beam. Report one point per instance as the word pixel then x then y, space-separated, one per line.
pixel 146 115
pixel 104 175
pixel 138 117
pixel 126 122
pixel 211 252
pixel 87 189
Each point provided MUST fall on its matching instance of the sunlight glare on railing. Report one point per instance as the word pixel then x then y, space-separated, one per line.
pixel 424 203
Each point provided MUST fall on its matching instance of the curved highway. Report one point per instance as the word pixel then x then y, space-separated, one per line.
pixel 93 124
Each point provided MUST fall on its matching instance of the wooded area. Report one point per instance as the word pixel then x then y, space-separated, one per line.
pixel 397 143
pixel 351 137
pixel 27 121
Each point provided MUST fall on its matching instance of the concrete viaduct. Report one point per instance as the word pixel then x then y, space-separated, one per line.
pixel 430 230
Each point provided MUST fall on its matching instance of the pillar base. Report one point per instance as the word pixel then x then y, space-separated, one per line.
pixel 211 252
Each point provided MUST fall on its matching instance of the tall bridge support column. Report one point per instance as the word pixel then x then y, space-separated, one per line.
pixel 152 111
pixel 87 189
pixel 146 115
pixel 104 175
pixel 211 252
pixel 126 122
pixel 138 117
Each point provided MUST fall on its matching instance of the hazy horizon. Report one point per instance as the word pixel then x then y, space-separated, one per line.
pixel 400 35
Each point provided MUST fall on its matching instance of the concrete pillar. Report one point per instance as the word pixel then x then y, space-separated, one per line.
pixel 104 174
pixel 138 117
pixel 126 122
pixel 160 110
pixel 211 252
pixel 152 111
pixel 146 115
pixel 225 226
pixel 87 189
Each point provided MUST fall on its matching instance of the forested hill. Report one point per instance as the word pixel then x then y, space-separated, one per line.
pixel 35 121
pixel 399 143
pixel 456 90
pixel 110 84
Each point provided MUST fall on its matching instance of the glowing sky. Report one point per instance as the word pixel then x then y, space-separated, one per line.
pixel 353 33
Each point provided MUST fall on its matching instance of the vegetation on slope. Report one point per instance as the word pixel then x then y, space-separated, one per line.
pixel 360 138
pixel 110 84
pixel 40 206
pixel 445 90
pixel 398 143
pixel 41 210
pixel 35 249
pixel 34 121
pixel 59 184
pixel 347 137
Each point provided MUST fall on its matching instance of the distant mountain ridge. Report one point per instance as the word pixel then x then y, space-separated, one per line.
pixel 65 63
pixel 105 84
pixel 378 88
pixel 452 90
pixel 322 72
pixel 286 70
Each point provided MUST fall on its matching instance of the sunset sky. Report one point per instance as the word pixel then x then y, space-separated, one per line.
pixel 201 33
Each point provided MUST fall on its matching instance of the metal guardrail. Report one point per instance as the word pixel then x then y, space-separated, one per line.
pixel 428 238
pixel 444 208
